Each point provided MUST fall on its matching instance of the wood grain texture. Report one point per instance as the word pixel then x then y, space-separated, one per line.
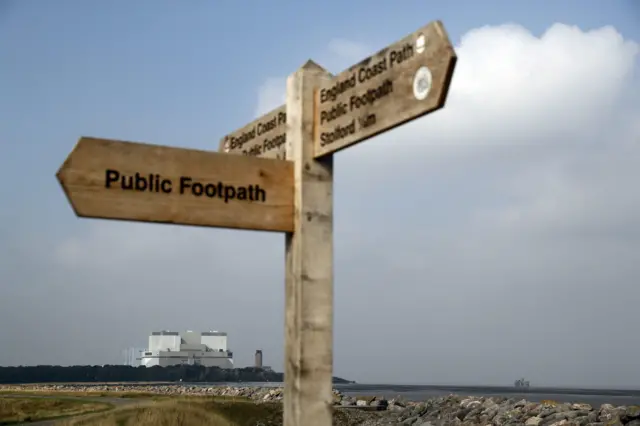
pixel 83 177
pixel 308 398
pixel 264 137
pixel 388 78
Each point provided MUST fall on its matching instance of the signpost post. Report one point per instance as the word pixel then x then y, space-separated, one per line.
pixel 289 189
pixel 308 374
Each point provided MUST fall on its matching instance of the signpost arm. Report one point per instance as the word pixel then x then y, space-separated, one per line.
pixel 308 398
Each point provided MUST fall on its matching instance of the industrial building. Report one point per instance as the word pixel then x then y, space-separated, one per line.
pixel 258 362
pixel 207 348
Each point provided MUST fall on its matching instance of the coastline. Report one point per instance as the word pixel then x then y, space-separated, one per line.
pixel 452 409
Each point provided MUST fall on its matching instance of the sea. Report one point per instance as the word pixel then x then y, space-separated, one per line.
pixel 595 397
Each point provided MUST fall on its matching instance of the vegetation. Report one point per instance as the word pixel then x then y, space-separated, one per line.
pixel 165 410
pixel 125 373
pixel 17 410
pixel 198 412
pixel 187 413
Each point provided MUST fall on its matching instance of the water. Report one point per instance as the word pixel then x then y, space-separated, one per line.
pixel 421 393
pixel 595 397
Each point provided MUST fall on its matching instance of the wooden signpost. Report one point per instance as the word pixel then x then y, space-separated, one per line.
pixel 401 82
pixel 109 179
pixel 265 137
pixel 290 189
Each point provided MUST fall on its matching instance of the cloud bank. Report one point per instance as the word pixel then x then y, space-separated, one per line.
pixel 496 238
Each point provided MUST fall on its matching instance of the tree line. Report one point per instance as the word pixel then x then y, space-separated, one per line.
pixel 126 373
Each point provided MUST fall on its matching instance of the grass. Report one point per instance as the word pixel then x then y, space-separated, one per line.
pixel 18 410
pixel 150 409
pixel 203 411
pixel 187 412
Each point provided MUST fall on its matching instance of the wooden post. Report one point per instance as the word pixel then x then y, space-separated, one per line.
pixel 308 390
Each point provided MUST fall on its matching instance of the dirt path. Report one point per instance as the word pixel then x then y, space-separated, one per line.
pixel 116 402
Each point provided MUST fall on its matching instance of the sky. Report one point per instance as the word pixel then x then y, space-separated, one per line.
pixel 497 238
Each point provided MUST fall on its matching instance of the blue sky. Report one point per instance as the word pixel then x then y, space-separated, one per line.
pixel 521 208
pixel 185 73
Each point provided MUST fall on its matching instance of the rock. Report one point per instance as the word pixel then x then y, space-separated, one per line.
pixel 410 420
pixel 582 407
pixel 606 412
pixel 520 404
pixel 470 403
pixel 450 410
pixel 400 402
pixel 582 420
pixel 533 421
pixel 631 413
pixel 380 404
pixel 548 411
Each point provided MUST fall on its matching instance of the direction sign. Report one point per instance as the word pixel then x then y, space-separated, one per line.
pixel 132 181
pixel 111 179
pixel 265 137
pixel 399 83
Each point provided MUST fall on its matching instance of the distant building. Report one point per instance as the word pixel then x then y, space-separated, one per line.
pixel 132 356
pixel 258 363
pixel 521 383
pixel 208 348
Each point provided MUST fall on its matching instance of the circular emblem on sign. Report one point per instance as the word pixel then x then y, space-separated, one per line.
pixel 421 42
pixel 422 83
pixel 226 144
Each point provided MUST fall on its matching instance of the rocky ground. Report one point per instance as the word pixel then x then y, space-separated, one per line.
pixel 449 410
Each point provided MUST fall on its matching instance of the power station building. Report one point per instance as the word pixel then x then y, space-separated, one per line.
pixel 207 348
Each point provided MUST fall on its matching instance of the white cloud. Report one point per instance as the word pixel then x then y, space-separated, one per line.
pixel 271 95
pixel 493 239
pixel 348 51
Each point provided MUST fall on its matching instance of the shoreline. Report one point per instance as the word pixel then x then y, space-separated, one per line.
pixel 452 409
pixel 434 390
pixel 501 389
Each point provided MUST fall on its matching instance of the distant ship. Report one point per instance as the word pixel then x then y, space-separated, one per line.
pixel 521 383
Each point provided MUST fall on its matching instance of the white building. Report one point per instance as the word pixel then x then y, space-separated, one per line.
pixel 208 348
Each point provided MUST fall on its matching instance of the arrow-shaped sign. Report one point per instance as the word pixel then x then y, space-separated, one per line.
pixel 111 179
pixel 400 83
pixel 264 137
